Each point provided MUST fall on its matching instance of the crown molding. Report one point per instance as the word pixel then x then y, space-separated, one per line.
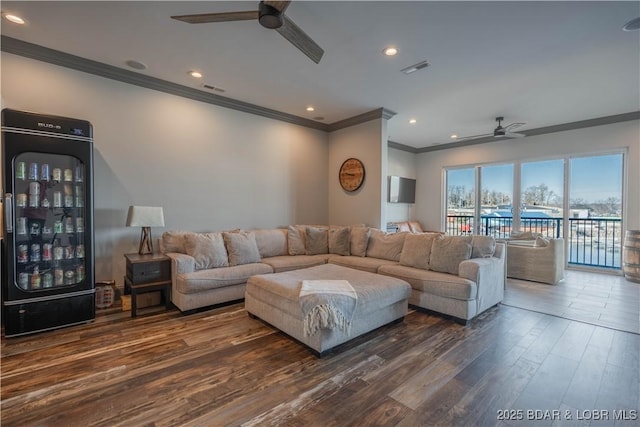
pixel 378 113
pixel 403 147
pixel 56 57
pixel 598 121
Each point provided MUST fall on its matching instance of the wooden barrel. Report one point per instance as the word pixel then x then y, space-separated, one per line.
pixel 631 255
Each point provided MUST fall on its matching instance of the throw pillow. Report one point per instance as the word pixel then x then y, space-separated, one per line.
pixel 271 242
pixel 416 250
pixel 173 241
pixel 415 227
pixel 241 247
pixel 296 240
pixel 482 246
pixel 385 246
pixel 447 254
pixel 207 249
pixel 541 242
pixel 359 241
pixel 317 241
pixel 339 241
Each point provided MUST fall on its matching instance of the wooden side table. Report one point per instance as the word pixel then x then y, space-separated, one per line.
pixel 148 273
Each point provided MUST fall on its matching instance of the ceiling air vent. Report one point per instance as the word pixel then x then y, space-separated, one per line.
pixel 213 88
pixel 415 67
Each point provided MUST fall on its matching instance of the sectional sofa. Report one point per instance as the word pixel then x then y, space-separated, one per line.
pixel 457 276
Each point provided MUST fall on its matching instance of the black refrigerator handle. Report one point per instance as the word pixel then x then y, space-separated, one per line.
pixel 8 212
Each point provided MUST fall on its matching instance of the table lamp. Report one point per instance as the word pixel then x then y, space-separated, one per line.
pixel 145 217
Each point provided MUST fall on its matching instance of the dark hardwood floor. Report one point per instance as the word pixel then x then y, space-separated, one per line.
pixel 509 367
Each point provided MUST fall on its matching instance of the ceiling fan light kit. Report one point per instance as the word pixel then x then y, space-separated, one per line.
pixel 269 16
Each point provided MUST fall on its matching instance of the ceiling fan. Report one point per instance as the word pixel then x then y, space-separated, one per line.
pixel 500 131
pixel 270 14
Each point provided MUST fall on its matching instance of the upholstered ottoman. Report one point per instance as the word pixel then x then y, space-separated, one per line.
pixel 274 298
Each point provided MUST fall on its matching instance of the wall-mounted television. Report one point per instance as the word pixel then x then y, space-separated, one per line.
pixel 402 190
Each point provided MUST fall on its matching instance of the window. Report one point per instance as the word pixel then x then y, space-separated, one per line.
pixel 578 198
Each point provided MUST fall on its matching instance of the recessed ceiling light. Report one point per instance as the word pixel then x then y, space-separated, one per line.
pixel 632 25
pixel 136 64
pixel 454 136
pixel 390 51
pixel 13 18
pixel 412 121
pixel 310 108
pixel 195 74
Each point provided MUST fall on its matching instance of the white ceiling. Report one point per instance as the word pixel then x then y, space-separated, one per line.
pixel 543 63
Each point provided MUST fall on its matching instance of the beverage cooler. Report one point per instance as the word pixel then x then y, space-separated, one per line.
pixel 47 253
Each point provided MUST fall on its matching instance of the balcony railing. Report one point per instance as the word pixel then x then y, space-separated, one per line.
pixel 594 242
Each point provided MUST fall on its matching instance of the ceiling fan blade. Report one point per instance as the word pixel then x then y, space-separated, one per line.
pixel 279 5
pixel 204 18
pixel 464 138
pixel 514 125
pixel 300 39
pixel 514 135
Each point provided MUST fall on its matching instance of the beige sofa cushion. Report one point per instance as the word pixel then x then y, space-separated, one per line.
pixel 431 282
pixel 173 241
pixel 447 253
pixel 296 240
pixel 271 242
pixel 317 240
pixel 416 250
pixel 207 249
pixel 241 248
pixel 339 241
pixel 203 280
pixel 294 262
pixel 360 263
pixel 385 245
pixel 359 241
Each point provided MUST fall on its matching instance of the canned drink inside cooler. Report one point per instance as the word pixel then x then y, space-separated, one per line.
pixel 47 280
pixel 36 280
pixel 44 172
pixel 21 225
pixel 23 281
pixel 59 277
pixel 69 277
pixel 47 251
pixel 35 253
pixel 21 170
pixel 23 254
pixel 21 200
pixel 33 172
pixel 34 188
pixel 34 200
pixel 57 174
pixel 57 199
pixel 68 175
pixel 79 174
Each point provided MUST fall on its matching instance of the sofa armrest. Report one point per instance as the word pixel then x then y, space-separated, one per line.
pixel 489 277
pixel 180 263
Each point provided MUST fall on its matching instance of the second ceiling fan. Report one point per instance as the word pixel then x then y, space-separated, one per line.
pixel 270 14
pixel 499 132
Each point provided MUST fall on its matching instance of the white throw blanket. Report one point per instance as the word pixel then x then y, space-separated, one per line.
pixel 327 304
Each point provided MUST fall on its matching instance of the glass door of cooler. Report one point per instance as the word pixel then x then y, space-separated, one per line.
pixel 49 223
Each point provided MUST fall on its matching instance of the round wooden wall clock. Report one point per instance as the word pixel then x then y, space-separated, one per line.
pixel 351 174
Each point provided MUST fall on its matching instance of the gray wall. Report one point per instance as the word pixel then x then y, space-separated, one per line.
pixel 211 168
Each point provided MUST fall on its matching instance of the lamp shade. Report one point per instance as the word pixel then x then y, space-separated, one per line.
pixel 145 216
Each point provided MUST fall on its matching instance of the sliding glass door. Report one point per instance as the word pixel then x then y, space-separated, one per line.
pixel 577 198
pixel 595 210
